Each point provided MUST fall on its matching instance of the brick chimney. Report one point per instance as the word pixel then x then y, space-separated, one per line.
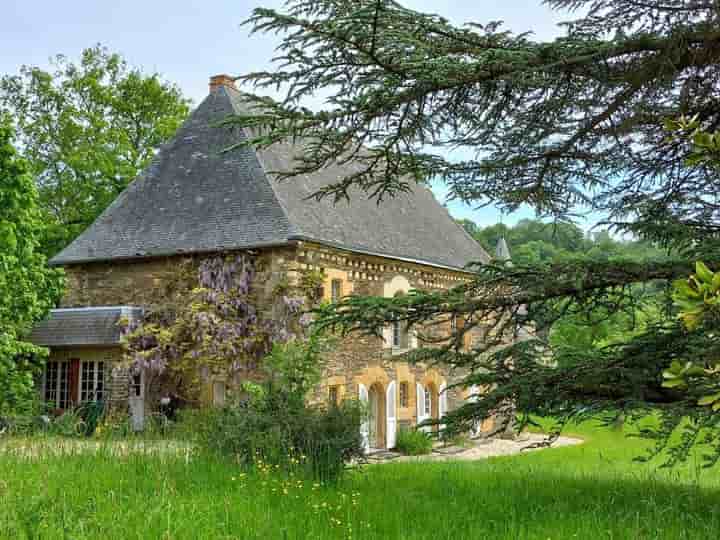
pixel 217 81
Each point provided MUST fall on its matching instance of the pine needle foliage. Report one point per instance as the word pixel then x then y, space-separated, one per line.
pixel 613 117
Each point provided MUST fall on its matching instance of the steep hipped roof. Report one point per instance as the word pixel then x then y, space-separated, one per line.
pixel 195 198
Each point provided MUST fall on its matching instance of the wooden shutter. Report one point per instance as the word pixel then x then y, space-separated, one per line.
pixel 74 381
pixel 365 426
pixel 391 415
pixel 443 403
pixel 420 403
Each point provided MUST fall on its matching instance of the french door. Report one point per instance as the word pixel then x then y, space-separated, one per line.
pixel 69 382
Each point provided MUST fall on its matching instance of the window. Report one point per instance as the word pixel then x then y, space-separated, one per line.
pixel 396 333
pixel 334 395
pixel 92 381
pixel 57 384
pixel 336 290
pixel 403 394
pixel 428 401
pixel 136 385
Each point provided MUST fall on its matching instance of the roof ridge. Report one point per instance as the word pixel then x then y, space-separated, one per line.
pixel 467 234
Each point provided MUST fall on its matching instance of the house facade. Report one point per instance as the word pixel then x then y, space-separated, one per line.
pixel 197 200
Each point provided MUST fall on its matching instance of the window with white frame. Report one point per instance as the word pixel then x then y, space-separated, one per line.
pixel 336 290
pixel 428 401
pixel 57 384
pixel 396 333
pixel 92 381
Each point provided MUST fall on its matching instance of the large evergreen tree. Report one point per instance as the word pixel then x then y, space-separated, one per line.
pixel 578 123
pixel 28 288
pixel 87 128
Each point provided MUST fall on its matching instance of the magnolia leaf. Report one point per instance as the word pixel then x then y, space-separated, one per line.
pixel 683 288
pixel 716 282
pixel 704 272
pixel 709 399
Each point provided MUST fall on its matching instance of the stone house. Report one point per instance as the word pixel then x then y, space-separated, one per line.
pixel 195 200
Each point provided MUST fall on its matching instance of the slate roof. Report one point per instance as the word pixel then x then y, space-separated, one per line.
pixel 82 326
pixel 194 198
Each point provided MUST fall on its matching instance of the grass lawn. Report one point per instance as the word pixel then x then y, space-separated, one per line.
pixel 592 491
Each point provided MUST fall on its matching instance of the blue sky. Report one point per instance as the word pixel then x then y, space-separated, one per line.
pixel 187 41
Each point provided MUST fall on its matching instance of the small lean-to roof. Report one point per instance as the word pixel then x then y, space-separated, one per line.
pixel 83 327
pixel 196 198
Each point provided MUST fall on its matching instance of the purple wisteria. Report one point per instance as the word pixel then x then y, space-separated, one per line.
pixel 214 323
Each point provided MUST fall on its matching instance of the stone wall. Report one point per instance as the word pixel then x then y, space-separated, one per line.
pixel 356 360
pixel 369 360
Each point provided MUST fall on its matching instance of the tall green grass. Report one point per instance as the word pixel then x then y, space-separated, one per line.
pixel 591 491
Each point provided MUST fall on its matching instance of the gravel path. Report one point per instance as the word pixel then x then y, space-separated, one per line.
pixel 481 449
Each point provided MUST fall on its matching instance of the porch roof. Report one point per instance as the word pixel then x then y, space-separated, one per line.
pixel 86 326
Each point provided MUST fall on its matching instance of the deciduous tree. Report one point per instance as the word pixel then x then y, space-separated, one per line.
pixel 87 129
pixel 28 288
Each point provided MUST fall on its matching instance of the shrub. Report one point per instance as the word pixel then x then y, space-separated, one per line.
pixel 68 424
pixel 413 442
pixel 272 428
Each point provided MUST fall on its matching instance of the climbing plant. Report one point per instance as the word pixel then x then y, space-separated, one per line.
pixel 208 320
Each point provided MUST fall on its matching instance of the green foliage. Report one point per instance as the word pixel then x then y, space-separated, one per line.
pixel 566 127
pixel 147 491
pixel 273 429
pixel 697 299
pixel 533 241
pixel 272 423
pixel 413 442
pixel 296 365
pixel 28 288
pixel 547 124
pixel 87 129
